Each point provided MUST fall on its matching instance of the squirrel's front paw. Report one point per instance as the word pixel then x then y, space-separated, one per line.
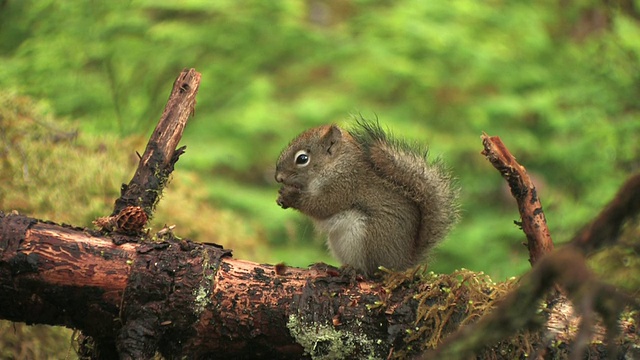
pixel 288 196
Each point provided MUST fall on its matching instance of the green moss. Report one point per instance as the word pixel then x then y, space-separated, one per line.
pixel 203 292
pixel 620 264
pixel 440 296
pixel 20 341
pixel 324 341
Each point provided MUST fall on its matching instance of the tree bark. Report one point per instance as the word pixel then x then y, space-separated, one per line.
pixel 534 223
pixel 161 153
pixel 193 300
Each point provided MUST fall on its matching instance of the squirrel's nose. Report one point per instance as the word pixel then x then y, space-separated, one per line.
pixel 279 177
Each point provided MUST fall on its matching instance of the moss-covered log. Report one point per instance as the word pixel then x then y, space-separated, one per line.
pixel 193 300
pixel 189 299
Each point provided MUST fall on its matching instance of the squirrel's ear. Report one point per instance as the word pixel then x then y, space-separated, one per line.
pixel 331 137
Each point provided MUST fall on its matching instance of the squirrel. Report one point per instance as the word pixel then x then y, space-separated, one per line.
pixel 377 198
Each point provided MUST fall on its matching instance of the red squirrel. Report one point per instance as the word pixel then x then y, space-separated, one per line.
pixel 377 198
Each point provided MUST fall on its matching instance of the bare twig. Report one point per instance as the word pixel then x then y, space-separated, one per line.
pixel 565 268
pixel 534 223
pixel 519 310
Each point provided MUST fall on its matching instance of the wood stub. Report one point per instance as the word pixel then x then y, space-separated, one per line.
pixel 160 155
pixel 534 223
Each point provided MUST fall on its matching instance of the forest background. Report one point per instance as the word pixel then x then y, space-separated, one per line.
pixel 83 83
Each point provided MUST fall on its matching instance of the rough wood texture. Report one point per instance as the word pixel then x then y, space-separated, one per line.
pixel 524 191
pixel 161 154
pixel 192 300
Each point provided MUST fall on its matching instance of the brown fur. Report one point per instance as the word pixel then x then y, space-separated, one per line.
pixel 377 199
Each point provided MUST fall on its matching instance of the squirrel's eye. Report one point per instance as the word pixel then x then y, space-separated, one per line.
pixel 302 158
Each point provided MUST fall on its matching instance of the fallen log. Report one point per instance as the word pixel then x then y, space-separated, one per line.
pixel 187 299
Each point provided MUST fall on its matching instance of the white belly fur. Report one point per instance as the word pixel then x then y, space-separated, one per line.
pixel 345 236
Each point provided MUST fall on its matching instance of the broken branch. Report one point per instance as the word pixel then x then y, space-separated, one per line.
pixel 534 223
pixel 160 155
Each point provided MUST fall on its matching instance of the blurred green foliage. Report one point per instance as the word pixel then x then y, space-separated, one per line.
pixel 35 342
pixel 558 81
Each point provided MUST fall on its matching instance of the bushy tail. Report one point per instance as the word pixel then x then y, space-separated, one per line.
pixel 428 184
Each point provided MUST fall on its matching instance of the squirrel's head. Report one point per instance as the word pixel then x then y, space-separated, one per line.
pixel 312 155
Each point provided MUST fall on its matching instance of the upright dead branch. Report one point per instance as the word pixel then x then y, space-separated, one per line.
pixel 156 164
pixel 565 268
pixel 524 191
